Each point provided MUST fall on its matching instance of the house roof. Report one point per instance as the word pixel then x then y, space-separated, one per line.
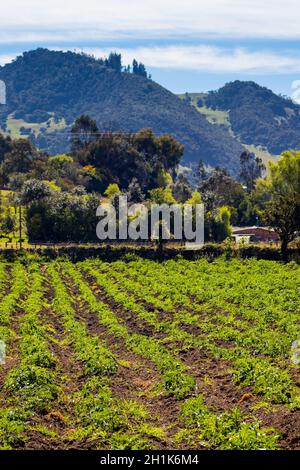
pixel 254 227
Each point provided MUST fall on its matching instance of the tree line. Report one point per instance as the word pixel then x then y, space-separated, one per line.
pixel 114 61
pixel 61 192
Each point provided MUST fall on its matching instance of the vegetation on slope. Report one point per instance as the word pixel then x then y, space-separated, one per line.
pixel 44 85
pixel 258 116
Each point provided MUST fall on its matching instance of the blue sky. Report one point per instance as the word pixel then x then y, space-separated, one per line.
pixel 190 45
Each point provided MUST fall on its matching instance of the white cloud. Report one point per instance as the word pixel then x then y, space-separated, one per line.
pixel 201 58
pixel 207 58
pixel 95 19
pixel 296 91
pixel 5 59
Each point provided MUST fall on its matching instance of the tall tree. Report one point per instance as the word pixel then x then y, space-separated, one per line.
pixel 22 157
pixel 182 189
pixel 83 132
pixel 283 209
pixel 121 157
pixel 200 173
pixel 114 61
pixel 135 67
pixel 134 192
pixel 139 69
pixel 5 146
pixel 220 189
pixel 251 168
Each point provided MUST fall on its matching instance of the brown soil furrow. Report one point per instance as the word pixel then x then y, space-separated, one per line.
pixel 12 347
pixel 214 381
pixel 133 323
pixel 70 379
pixel 136 377
pixel 287 422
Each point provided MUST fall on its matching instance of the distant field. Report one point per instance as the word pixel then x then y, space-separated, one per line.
pixel 263 154
pixel 213 116
pixel 14 126
pixel 140 354
pixel 216 117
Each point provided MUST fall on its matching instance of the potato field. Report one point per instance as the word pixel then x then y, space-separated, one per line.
pixel 139 354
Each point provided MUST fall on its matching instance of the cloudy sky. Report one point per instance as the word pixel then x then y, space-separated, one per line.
pixel 188 45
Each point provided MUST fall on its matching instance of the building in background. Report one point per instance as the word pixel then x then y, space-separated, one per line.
pixel 254 235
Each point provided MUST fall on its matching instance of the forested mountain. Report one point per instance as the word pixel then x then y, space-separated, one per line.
pixel 48 90
pixel 257 116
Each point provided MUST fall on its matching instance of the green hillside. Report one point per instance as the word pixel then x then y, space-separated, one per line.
pixel 222 118
pixel 258 116
pixel 47 91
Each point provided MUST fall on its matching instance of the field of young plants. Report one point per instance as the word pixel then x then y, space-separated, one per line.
pixel 138 354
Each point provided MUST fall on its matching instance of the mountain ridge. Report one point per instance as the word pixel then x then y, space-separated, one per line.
pixel 256 115
pixel 48 90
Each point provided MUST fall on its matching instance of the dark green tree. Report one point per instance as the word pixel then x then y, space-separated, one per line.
pixel 139 69
pixel 83 132
pixel 34 191
pixel 5 146
pixel 220 189
pixel 251 168
pixel 134 192
pixel 114 61
pixel 8 224
pixel 182 189
pixel 282 211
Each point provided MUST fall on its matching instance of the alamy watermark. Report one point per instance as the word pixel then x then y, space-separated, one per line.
pixel 2 92
pixel 2 352
pixel 121 221
pixel 295 352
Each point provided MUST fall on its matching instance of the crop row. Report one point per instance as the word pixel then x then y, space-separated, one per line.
pixel 30 385
pixel 175 380
pixel 230 427
pixel 250 367
pixel 108 420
